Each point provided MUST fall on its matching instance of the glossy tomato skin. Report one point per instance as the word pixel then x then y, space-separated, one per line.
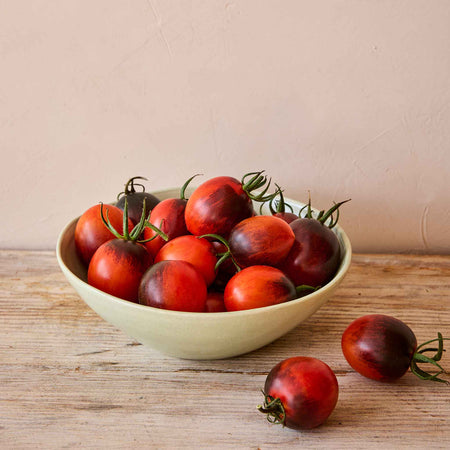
pixel 307 388
pixel 91 232
pixel 379 347
pixel 216 206
pixel 288 217
pixel 258 286
pixel 117 268
pixel 197 251
pixel 174 285
pixel 315 255
pixel 261 240
pixel 168 216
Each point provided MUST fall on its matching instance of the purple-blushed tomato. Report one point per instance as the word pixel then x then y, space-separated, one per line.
pixel 300 393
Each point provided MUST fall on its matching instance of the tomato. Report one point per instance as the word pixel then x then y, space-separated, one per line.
pixel 136 199
pixel 261 240
pixel 258 286
pixel 174 285
pixel 168 216
pixel 315 255
pixel 300 392
pixel 91 233
pixel 288 217
pixel 197 251
pixel 219 203
pixel 214 302
pixel 117 268
pixel 382 348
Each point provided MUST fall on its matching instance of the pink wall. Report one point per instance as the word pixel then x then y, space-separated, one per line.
pixel 344 98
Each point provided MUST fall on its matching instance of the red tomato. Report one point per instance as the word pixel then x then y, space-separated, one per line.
pixel 91 232
pixel 168 216
pixel 300 392
pixel 258 286
pixel 218 204
pixel 261 240
pixel 382 348
pixel 214 302
pixel 197 251
pixel 174 285
pixel 117 268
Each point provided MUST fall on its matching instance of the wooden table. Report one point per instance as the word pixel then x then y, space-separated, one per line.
pixel 68 379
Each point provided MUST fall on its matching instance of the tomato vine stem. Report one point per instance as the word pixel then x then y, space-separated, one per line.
pixel 274 409
pixel 420 357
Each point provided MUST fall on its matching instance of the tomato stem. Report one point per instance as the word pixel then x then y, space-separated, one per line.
pixel 322 216
pixel 420 357
pixel 225 255
pixel 185 185
pixel 257 181
pixel 274 409
pixel 129 186
pixel 281 205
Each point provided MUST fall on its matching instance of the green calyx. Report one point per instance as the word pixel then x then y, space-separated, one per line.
pixel 281 206
pixel 257 181
pixel 137 230
pixel 274 410
pixel 420 357
pixel 322 216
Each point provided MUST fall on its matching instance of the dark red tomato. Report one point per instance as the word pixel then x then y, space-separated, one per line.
pixel 91 232
pixel 214 302
pixel 197 251
pixel 379 347
pixel 300 392
pixel 117 268
pixel 174 285
pixel 168 216
pixel 315 255
pixel 216 206
pixel 258 286
pixel 288 217
pixel 136 200
pixel 261 240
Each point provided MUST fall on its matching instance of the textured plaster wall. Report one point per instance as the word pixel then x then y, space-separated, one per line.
pixel 345 98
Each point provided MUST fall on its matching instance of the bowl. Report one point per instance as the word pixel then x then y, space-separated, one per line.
pixel 199 336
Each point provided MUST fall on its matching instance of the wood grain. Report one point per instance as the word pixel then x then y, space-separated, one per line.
pixel 68 379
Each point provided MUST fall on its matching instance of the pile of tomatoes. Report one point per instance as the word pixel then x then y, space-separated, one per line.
pixel 210 252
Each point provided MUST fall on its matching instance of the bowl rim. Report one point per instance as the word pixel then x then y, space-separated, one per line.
pixel 342 270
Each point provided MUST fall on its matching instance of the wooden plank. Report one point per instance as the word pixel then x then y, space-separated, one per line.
pixel 69 379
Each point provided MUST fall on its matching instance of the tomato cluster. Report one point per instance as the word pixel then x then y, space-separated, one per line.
pixel 231 257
